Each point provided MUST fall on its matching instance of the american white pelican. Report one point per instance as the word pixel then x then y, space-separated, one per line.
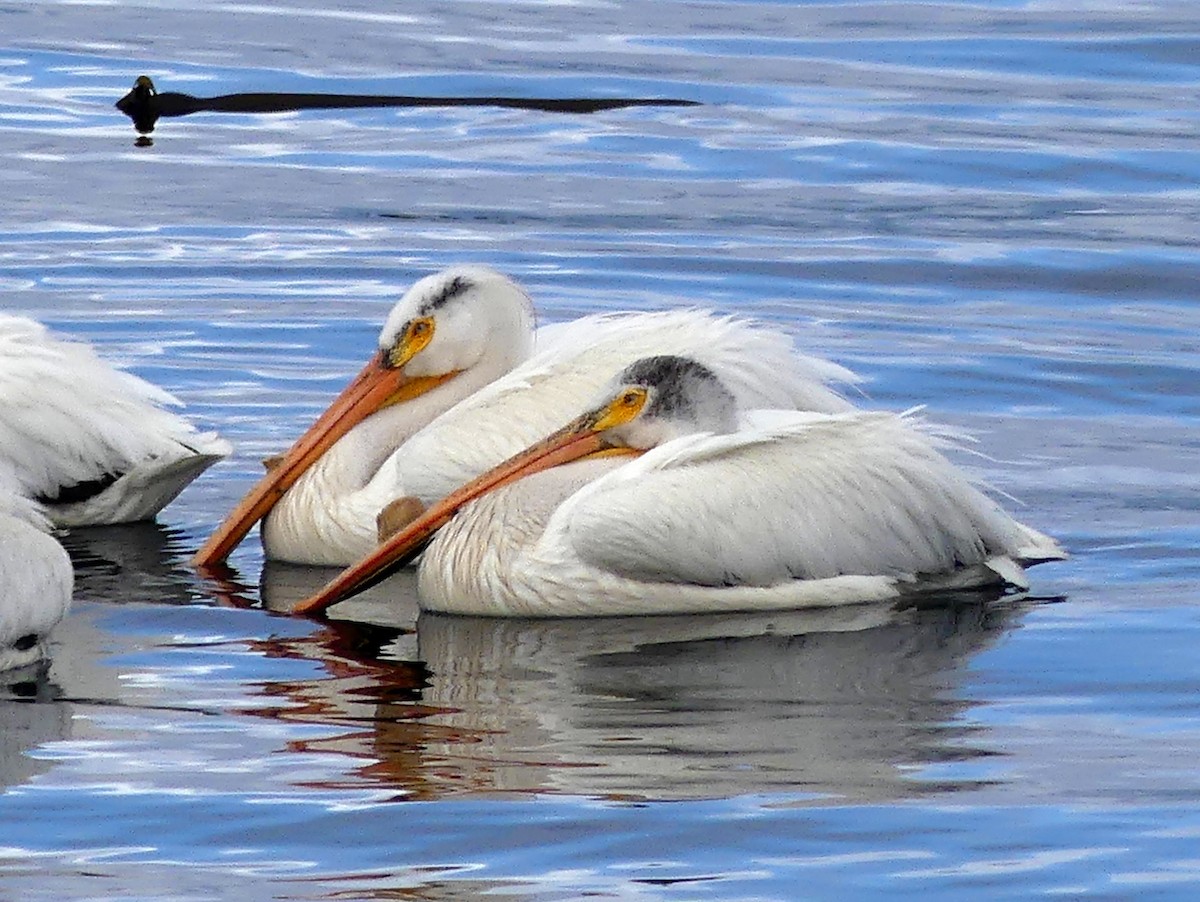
pixel 456 350
pixel 776 509
pixel 36 580
pixel 92 444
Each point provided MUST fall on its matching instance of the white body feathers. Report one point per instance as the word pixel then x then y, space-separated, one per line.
pixel 469 424
pixel 67 417
pixel 36 580
pixel 793 510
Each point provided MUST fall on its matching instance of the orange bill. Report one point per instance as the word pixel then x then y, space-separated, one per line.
pixel 580 438
pixel 379 385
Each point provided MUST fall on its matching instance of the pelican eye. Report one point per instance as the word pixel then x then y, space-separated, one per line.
pixel 630 403
pixel 625 405
pixel 416 335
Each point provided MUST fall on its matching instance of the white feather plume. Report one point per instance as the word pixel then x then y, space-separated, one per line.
pixel 68 417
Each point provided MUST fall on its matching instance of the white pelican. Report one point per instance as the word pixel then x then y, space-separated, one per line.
pixel 92 444
pixel 776 510
pixel 36 580
pixel 456 350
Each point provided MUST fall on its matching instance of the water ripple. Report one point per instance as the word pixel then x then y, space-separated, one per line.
pixel 988 208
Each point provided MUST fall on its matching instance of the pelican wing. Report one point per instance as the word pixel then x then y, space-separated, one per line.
pixel 68 418
pixel 807 497
pixel 575 361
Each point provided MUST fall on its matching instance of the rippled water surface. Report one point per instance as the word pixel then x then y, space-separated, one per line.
pixel 987 208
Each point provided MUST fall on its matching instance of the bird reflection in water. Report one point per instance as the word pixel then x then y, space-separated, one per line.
pixel 145 105
pixel 29 717
pixel 135 562
pixel 841 703
pixel 363 695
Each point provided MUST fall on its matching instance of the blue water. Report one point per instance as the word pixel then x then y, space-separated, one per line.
pixel 987 208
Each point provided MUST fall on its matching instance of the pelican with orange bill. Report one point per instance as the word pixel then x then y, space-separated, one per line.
pixel 449 335
pixel 461 381
pixel 664 498
pixel 382 383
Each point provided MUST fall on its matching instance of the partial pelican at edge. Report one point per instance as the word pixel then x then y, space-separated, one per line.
pixel 36 580
pixel 92 444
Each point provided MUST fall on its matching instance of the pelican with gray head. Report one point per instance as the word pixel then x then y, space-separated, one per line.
pixel 660 498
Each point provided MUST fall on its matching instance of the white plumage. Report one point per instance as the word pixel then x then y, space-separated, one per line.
pixel 815 511
pixel 81 444
pixel 93 444
pixel 770 510
pixel 577 360
pixel 508 388
pixel 36 579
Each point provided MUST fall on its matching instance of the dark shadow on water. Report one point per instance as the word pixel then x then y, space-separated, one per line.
pixel 845 703
pixel 29 717
pixel 145 105
pixel 134 562
pixel 390 603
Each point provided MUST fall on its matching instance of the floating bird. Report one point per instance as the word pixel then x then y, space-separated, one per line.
pixel 456 350
pixel 36 579
pixel 768 510
pixel 144 104
pixel 89 443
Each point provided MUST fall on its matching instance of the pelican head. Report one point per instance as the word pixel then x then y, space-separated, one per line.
pixel 656 399
pixel 464 319
pixel 650 402
pixel 453 320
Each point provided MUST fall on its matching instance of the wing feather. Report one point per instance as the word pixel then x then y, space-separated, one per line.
pixel 814 497
pixel 68 417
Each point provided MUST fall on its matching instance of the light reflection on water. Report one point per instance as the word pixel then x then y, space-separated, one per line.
pixel 988 208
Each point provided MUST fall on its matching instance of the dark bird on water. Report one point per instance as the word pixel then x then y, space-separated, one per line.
pixel 144 104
